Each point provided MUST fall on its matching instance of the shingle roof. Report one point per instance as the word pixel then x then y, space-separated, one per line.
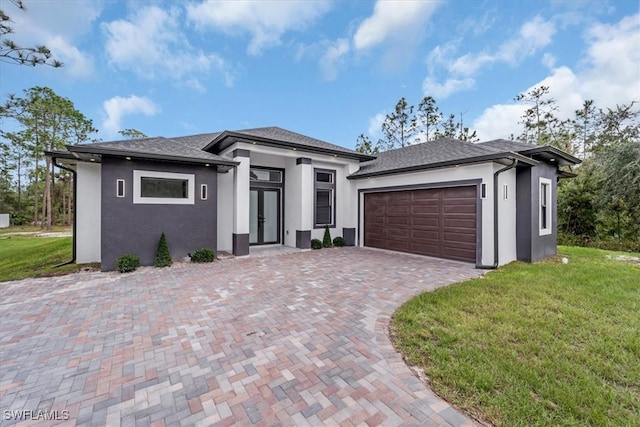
pixel 439 152
pixel 155 147
pixel 507 145
pixel 285 137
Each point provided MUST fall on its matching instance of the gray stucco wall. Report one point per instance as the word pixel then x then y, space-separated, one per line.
pixel 531 246
pixel 136 228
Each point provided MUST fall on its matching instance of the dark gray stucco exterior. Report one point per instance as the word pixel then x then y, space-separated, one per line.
pixel 531 246
pixel 136 228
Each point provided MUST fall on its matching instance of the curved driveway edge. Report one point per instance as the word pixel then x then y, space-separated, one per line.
pixel 293 339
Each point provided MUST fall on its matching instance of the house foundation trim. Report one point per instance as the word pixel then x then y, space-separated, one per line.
pixel 349 236
pixel 240 244
pixel 303 239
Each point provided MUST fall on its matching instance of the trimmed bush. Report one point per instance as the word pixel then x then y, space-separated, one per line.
pixel 326 240
pixel 163 256
pixel 316 244
pixel 203 255
pixel 338 242
pixel 127 263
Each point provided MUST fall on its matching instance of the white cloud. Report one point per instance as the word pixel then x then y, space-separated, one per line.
pixel 333 58
pixel 266 21
pixel 393 20
pixel 118 107
pixel 76 63
pixel 608 75
pixel 151 44
pixel 548 60
pixel 533 36
pixel 375 124
pixel 450 86
pixel 60 29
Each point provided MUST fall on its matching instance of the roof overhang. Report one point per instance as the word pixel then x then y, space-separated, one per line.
pixel 94 155
pixel 553 155
pixel 228 138
pixel 504 158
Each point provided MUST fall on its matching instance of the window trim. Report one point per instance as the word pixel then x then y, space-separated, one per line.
pixel 546 216
pixel 124 191
pixel 138 199
pixel 322 185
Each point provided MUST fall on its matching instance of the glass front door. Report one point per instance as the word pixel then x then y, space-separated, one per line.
pixel 264 216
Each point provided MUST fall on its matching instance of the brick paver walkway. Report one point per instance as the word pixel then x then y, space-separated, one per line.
pixel 294 339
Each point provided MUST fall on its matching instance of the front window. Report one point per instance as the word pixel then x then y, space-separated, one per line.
pixel 545 206
pixel 325 196
pixel 152 187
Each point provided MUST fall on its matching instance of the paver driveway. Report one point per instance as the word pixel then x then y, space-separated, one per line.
pixel 295 339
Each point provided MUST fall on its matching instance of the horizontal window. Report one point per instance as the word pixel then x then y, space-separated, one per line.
pixel 265 175
pixel 164 187
pixel 154 187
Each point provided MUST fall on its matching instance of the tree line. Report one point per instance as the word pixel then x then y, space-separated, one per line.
pixel 601 205
pixel 408 125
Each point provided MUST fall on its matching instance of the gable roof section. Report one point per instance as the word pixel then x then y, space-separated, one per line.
pixel 438 153
pixel 281 138
pixel 156 148
pixel 543 152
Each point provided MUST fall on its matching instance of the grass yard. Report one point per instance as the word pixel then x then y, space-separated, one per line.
pixel 533 344
pixel 28 256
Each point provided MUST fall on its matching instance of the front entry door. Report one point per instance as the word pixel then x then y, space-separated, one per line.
pixel 264 220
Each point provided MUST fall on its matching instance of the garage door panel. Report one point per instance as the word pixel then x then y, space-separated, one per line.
pixel 424 196
pixel 454 237
pixel 397 220
pixel 398 210
pixel 398 233
pixel 459 222
pixel 433 235
pixel 425 209
pixel 426 222
pixel 436 222
pixel 468 192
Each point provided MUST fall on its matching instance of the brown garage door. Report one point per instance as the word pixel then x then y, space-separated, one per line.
pixel 439 222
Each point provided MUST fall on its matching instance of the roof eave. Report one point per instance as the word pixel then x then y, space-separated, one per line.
pixel 234 137
pixel 565 159
pixel 449 163
pixel 150 156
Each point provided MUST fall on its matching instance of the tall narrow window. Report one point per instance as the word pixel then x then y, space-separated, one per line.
pixel 120 188
pixel 545 206
pixel 325 196
pixel 203 192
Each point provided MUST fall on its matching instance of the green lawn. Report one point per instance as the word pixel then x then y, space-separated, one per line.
pixel 534 344
pixel 28 256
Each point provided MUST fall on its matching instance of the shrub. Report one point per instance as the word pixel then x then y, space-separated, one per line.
pixel 163 256
pixel 316 244
pixel 326 241
pixel 127 263
pixel 203 255
pixel 338 242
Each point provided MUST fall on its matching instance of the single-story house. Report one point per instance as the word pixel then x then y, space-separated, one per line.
pixel 486 203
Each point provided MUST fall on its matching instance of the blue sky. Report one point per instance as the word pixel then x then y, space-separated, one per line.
pixel 327 69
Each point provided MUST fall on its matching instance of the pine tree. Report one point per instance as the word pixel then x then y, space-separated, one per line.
pixel 326 240
pixel 163 256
